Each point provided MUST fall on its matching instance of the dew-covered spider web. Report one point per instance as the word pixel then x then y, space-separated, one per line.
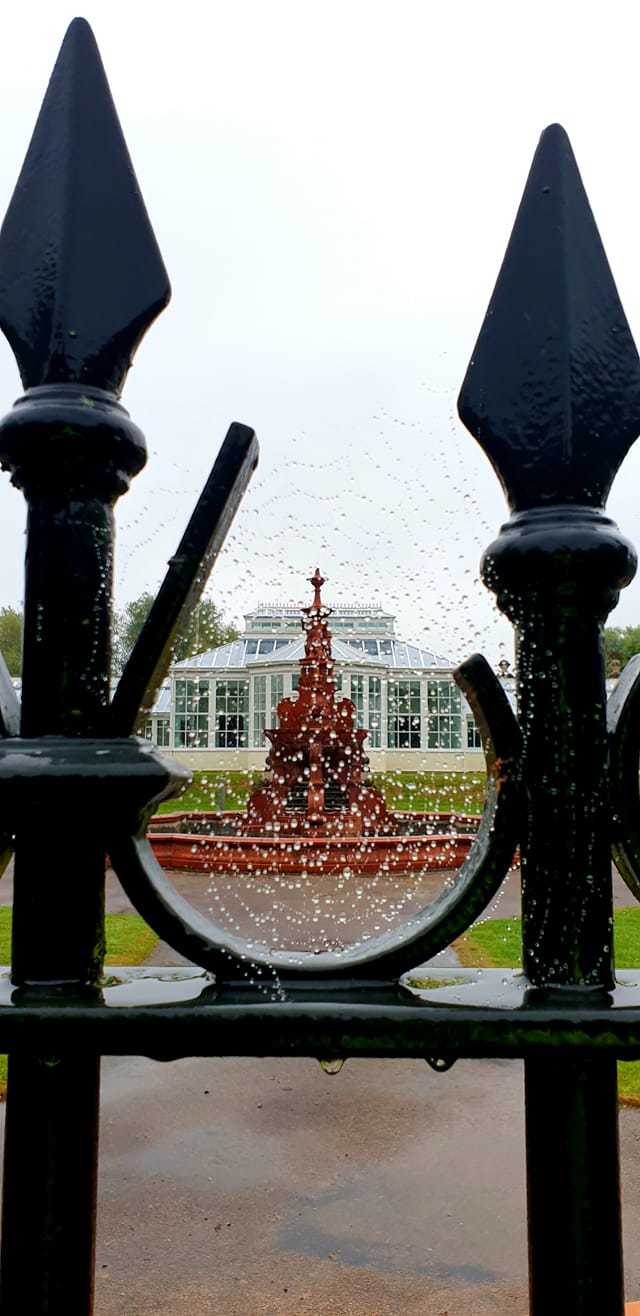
pixel 397 519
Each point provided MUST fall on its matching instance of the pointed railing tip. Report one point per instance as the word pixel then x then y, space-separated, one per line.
pixel 552 392
pixel 81 275
pixel 558 129
pixel 79 31
pixel 78 24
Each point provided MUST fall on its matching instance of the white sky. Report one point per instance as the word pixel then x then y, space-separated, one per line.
pixel 332 187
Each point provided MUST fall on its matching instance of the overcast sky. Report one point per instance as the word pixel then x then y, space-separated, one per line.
pixel 332 187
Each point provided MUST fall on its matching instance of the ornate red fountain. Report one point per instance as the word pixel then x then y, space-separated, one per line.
pixel 316 772
pixel 316 809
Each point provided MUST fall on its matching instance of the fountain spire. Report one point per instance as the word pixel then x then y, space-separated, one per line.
pixel 317 581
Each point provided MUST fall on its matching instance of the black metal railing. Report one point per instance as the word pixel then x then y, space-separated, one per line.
pixel 553 396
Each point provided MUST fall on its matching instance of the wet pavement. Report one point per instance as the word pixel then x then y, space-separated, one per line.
pixel 294 913
pixel 262 1188
pixel 247 1187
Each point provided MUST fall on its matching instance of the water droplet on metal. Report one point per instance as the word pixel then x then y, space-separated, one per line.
pixel 441 1063
pixel 331 1066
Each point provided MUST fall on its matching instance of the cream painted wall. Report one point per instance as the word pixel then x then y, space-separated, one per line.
pixel 384 760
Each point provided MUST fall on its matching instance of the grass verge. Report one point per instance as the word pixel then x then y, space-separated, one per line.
pixel 445 792
pixel 433 792
pixel 129 941
pixel 497 943
pixel 214 791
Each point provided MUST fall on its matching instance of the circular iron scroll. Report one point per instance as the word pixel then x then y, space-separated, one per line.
pixel 391 953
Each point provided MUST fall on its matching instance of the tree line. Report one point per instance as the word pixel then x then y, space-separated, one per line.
pixel 204 628
pixel 620 644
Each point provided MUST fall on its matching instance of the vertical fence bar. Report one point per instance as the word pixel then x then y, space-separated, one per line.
pixel 552 394
pixel 573 1187
pixel 556 575
pixel 51 1142
pixel 50 1180
pixel 81 279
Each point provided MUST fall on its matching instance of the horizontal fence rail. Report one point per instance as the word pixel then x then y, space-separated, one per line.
pixel 552 395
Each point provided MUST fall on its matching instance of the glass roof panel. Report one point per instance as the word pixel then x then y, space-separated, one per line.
pixel 163 700
pixel 221 656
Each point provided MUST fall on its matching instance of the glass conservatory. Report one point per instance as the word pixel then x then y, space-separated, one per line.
pixel 213 710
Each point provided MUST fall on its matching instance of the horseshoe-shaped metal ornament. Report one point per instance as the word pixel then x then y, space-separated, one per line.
pixel 623 719
pixel 392 953
pixel 9 728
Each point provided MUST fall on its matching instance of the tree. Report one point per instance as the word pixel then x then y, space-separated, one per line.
pixel 204 628
pixel 11 639
pixel 620 644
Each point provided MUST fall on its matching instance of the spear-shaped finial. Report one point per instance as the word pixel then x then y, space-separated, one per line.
pixel 81 276
pixel 317 580
pixel 552 393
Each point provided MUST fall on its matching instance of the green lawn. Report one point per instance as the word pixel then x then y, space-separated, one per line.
pixel 433 792
pixel 497 943
pixel 445 792
pixel 129 941
pixel 205 790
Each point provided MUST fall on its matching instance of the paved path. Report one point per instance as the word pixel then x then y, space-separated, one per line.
pixel 249 1188
pixel 236 904
pixel 261 1188
pixel 303 909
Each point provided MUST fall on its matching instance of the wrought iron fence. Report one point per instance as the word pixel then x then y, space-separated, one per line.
pixel 552 394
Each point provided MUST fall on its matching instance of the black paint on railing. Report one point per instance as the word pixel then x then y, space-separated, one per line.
pixel 553 396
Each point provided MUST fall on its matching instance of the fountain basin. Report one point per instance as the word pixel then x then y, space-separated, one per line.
pixel 411 842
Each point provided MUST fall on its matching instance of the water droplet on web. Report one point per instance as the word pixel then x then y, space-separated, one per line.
pixel 400 521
